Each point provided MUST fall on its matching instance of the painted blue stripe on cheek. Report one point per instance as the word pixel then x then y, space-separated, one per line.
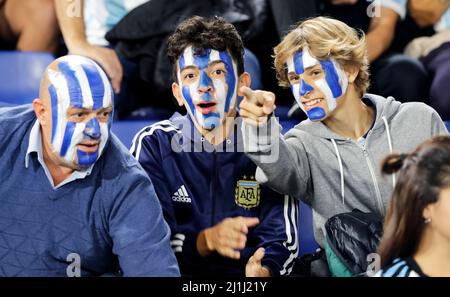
pixel 331 77
pixel 54 101
pixel 298 63
pixel 95 84
pixel 73 85
pixel 70 128
pixel 230 78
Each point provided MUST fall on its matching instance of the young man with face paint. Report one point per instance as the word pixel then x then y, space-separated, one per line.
pixel 69 191
pixel 222 221
pixel 332 160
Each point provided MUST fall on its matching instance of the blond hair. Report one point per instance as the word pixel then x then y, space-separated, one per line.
pixel 325 38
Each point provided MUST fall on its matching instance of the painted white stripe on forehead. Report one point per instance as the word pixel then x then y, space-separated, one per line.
pixel 290 64
pixel 188 56
pixel 86 94
pixel 214 56
pixel 308 59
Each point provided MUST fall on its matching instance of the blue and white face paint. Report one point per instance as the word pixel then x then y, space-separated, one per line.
pixel 331 86
pixel 209 97
pixel 81 84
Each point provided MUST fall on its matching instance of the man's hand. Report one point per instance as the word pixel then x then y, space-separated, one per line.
pixel 427 12
pixel 108 60
pixel 254 267
pixel 256 105
pixel 229 236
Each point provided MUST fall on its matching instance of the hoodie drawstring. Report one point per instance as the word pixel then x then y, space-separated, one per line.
pixel 341 169
pixel 390 144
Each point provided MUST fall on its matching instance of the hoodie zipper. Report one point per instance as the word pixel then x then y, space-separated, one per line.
pixel 374 178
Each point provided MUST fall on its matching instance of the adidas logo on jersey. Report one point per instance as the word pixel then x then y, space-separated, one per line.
pixel 181 195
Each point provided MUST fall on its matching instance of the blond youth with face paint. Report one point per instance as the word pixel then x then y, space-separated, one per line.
pixel 331 160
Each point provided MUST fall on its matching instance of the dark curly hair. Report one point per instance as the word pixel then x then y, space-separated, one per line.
pixel 202 33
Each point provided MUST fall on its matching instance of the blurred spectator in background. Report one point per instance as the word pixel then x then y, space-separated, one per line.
pixel 416 240
pixel 28 25
pixel 392 73
pixel 433 51
pixel 84 24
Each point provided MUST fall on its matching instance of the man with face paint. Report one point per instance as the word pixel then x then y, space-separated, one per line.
pixel 222 221
pixel 73 201
pixel 332 160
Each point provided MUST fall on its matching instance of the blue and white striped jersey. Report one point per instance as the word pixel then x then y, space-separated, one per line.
pixel 402 268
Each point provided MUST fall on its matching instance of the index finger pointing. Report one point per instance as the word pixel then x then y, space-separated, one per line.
pixel 246 92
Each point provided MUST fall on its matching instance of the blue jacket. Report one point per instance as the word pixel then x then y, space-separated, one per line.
pixel 111 218
pixel 199 185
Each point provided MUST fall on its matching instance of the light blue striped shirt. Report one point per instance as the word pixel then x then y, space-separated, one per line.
pixel 401 268
pixel 100 16
pixel 400 7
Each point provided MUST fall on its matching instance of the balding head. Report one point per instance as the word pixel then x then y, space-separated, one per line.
pixel 76 99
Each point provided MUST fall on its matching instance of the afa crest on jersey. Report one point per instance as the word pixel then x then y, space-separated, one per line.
pixel 247 193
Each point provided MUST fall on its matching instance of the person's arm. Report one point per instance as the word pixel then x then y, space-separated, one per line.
pixel 278 234
pixel 282 162
pixel 343 2
pixel 73 31
pixel 381 33
pixel 427 12
pixel 140 236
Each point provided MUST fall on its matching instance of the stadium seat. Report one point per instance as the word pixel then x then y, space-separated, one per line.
pixel 307 243
pixel 20 75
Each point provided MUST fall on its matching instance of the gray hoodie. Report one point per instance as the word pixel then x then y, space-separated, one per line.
pixel 334 174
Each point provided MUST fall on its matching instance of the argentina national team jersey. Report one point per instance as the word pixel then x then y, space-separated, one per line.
pixel 402 268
